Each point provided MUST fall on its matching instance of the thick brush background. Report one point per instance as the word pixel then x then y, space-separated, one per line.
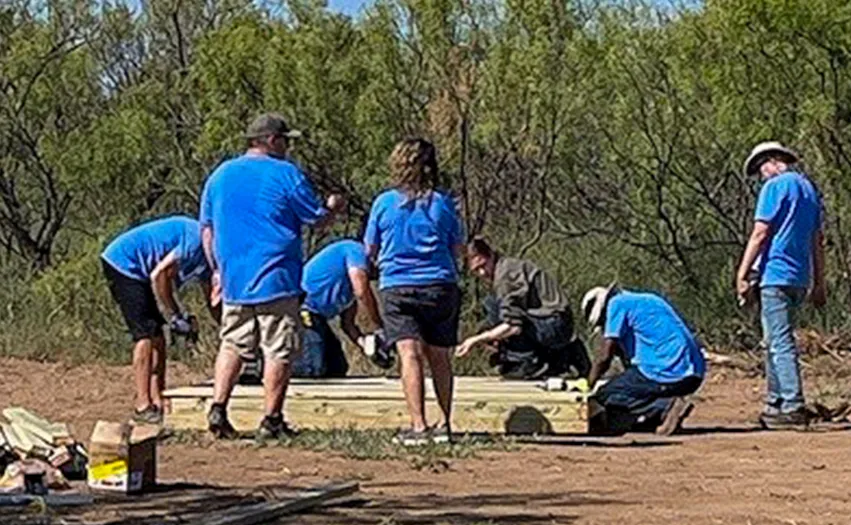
pixel 602 139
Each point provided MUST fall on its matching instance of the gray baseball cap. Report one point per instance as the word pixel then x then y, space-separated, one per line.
pixel 269 124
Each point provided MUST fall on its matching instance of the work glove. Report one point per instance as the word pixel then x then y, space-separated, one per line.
pixel 182 324
pixel 378 352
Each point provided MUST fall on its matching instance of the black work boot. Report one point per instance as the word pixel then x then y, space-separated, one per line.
pixel 796 420
pixel 274 427
pixel 217 422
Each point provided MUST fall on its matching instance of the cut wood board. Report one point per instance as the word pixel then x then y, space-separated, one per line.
pixel 480 404
pixel 18 441
pixel 269 511
pixel 50 433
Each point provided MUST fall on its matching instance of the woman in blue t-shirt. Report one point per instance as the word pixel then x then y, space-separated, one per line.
pixel 415 234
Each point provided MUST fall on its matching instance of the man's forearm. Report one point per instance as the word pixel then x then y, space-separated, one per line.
pixel 348 325
pixel 368 303
pixel 601 364
pixel 498 333
pixel 164 291
pixel 207 244
pixel 752 251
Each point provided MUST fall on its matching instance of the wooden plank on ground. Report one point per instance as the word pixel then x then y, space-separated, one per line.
pixel 269 511
pixel 524 412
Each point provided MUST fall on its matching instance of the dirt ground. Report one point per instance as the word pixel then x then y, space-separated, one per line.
pixel 723 470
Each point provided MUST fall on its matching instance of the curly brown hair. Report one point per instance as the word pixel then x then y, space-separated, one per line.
pixel 413 167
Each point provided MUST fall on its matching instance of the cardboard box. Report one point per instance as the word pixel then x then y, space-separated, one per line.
pixel 123 457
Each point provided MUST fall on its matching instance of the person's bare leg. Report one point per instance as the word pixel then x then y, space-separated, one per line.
pixel 441 376
pixel 142 357
pixel 276 379
pixel 228 366
pixel 411 361
pixel 158 366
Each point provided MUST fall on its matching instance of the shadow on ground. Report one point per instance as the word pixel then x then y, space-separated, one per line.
pixel 534 508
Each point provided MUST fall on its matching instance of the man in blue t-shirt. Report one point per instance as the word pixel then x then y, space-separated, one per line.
pixel 662 357
pixel 253 208
pixel 336 283
pixel 784 255
pixel 145 266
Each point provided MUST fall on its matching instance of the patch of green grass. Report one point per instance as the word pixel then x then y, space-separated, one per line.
pixel 369 445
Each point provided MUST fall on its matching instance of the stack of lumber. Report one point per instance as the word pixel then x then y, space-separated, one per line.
pixel 31 436
pixel 26 436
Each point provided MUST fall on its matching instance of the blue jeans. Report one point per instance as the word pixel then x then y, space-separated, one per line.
pixel 322 353
pixel 782 372
pixel 636 402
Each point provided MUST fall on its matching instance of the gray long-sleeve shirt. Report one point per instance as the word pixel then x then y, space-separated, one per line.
pixel 524 290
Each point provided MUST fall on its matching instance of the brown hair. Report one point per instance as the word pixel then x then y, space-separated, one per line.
pixel 479 246
pixel 413 167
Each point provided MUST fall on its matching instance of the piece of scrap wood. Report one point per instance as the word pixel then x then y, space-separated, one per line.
pixel 52 433
pixel 21 443
pixel 265 512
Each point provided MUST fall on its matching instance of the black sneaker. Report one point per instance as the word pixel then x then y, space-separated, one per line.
pixel 441 435
pixel 217 422
pixel 413 438
pixel 274 427
pixel 796 420
pixel 674 417
pixel 150 415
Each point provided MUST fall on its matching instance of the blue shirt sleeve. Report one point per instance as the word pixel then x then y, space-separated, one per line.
pixel 356 258
pixel 769 203
pixel 616 320
pixel 372 236
pixel 305 204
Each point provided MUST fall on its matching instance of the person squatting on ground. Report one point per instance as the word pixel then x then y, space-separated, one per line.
pixel 416 235
pixel 252 211
pixel 529 317
pixel 662 358
pixel 785 252
pixel 336 282
pixel 144 266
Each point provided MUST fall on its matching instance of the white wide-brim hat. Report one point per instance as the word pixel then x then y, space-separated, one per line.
pixel 763 151
pixel 594 303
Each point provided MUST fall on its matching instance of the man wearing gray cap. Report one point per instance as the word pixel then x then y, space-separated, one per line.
pixel 785 252
pixel 252 211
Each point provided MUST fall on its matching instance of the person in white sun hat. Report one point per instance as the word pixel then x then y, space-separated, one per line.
pixel 786 254
pixel 662 359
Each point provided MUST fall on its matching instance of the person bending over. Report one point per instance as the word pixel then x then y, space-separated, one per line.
pixel 145 266
pixel 663 362
pixel 336 283
pixel 529 316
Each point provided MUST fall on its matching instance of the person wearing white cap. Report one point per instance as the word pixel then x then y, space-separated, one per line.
pixel 785 251
pixel 661 355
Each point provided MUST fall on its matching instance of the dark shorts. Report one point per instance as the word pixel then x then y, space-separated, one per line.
pixel 428 313
pixel 137 303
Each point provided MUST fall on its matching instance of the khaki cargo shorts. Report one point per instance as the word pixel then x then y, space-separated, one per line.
pixel 274 327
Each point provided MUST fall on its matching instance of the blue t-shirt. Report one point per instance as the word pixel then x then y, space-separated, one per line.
pixel 791 206
pixel 415 238
pixel 326 277
pixel 136 252
pixel 654 337
pixel 256 206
